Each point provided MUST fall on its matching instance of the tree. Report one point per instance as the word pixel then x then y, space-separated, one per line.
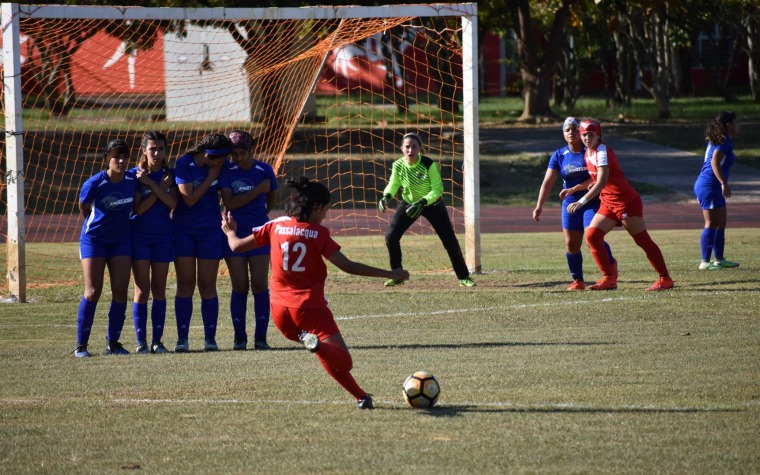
pixel 51 67
pixel 540 30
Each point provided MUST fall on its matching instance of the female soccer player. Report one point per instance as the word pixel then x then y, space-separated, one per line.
pixel 152 240
pixel 248 190
pixel 106 201
pixel 298 242
pixel 568 162
pixel 620 204
pixel 199 241
pixel 712 188
pixel 420 179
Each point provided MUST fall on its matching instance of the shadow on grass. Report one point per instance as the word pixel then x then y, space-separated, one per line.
pixel 495 344
pixel 460 409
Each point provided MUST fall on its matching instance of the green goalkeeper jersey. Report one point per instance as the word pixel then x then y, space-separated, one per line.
pixel 421 180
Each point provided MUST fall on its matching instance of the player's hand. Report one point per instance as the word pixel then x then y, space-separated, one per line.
pixel 573 207
pixel 167 181
pixel 400 274
pixel 565 192
pixel 228 223
pixel 537 213
pixel 383 204
pixel 414 210
pixel 726 190
pixel 264 186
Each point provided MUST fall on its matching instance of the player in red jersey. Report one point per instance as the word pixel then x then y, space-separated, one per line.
pixel 299 307
pixel 621 204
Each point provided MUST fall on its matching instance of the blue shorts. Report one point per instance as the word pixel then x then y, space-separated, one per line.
pixel 89 248
pixel 203 244
pixel 579 220
pixel 709 196
pixel 162 251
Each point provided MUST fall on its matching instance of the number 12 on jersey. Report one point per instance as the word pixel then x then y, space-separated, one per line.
pixel 299 252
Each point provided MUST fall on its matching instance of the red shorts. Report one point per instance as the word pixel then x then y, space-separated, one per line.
pixel 618 212
pixel 291 321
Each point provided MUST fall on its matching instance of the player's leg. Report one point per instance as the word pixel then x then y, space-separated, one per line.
pixel 396 229
pixel 119 270
pixel 238 269
pixel 160 273
pixel 185 270
pixel 572 230
pixel 208 269
pixel 332 351
pixel 259 271
pixel 637 229
pixel 93 269
pixel 438 217
pixel 596 231
pixel 141 277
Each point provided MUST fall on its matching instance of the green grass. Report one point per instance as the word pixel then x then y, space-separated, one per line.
pixel 534 379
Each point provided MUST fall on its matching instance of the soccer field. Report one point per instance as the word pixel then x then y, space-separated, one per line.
pixel 533 378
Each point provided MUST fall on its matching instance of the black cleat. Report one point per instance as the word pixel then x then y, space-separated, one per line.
pixel 365 402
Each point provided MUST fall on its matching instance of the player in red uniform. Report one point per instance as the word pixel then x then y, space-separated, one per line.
pixel 620 204
pixel 299 308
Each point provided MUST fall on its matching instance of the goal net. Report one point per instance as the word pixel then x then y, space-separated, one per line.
pixel 327 92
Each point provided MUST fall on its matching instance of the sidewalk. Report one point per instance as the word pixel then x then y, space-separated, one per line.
pixel 641 161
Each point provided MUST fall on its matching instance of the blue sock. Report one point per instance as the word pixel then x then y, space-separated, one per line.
pixel 238 304
pixel 183 311
pixel 720 243
pixel 140 318
pixel 117 313
pixel 210 315
pixel 85 319
pixel 609 252
pixel 706 242
pixel 575 263
pixel 158 319
pixel 261 310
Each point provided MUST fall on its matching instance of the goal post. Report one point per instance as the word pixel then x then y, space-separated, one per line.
pixel 326 91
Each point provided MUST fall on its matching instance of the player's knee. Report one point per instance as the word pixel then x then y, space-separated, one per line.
pixel 595 237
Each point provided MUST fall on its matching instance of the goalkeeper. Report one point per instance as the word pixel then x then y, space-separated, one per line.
pixel 420 179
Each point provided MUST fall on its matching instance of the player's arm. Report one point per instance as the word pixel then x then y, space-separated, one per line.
pixel 357 268
pixel 229 227
pixel 190 194
pixel 550 177
pixel 271 195
pixel 602 175
pixel 238 201
pixel 575 189
pixel 718 157
pixel 85 209
pixel 436 184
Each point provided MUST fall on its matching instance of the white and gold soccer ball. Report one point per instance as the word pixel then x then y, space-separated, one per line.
pixel 421 390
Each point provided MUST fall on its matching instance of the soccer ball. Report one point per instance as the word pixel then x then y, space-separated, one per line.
pixel 421 389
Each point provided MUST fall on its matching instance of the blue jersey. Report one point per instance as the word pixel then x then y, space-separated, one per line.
pixel 155 224
pixel 572 168
pixel 205 213
pixel 239 181
pixel 111 206
pixel 707 175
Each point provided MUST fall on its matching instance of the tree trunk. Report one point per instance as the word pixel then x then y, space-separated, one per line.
pixel 752 31
pixel 538 62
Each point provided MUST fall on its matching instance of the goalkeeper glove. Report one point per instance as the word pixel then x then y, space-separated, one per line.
pixel 383 204
pixel 414 210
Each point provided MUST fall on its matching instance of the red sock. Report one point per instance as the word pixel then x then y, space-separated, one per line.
pixel 338 363
pixel 595 240
pixel 653 252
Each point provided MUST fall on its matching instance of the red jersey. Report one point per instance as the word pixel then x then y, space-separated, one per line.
pixel 618 191
pixel 298 270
